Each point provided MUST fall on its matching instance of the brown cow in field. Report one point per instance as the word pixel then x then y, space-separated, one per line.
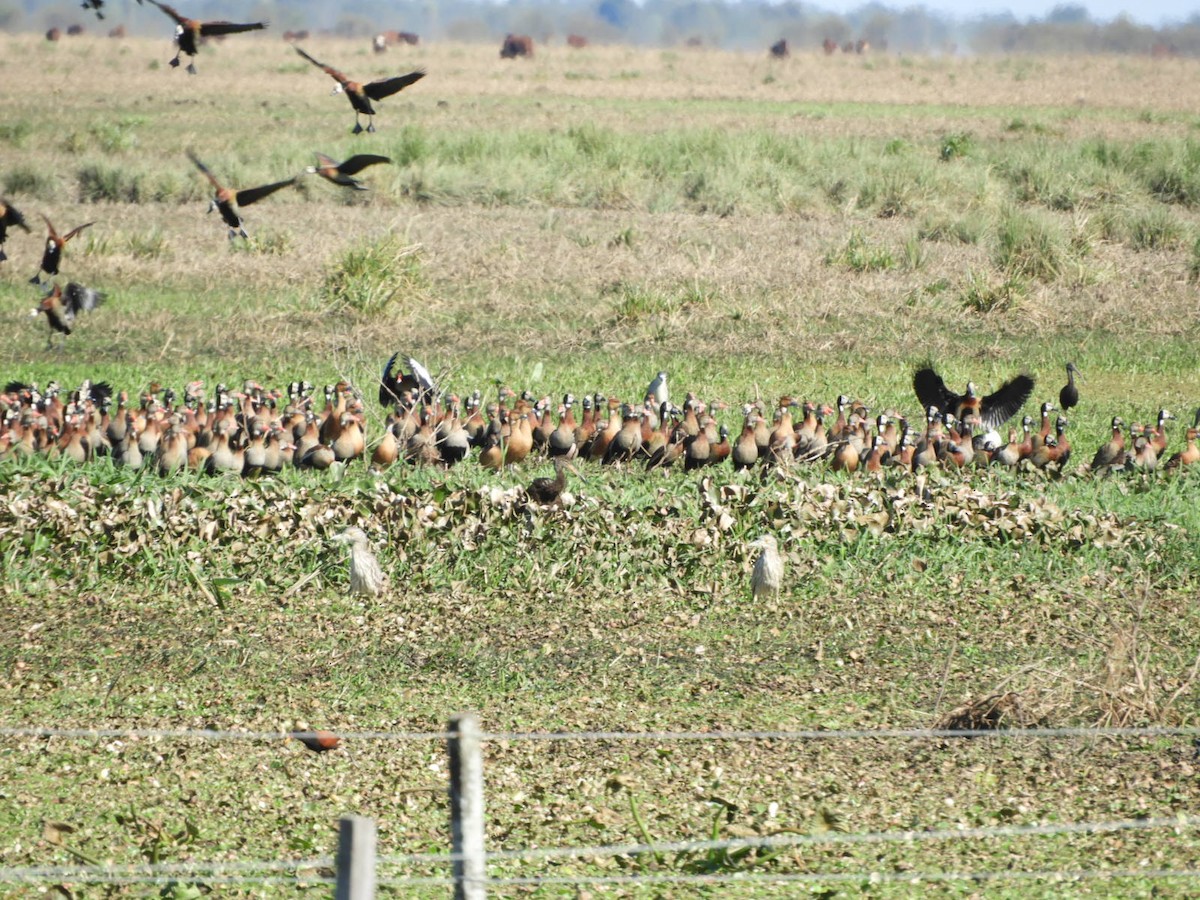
pixel 779 49
pixel 293 36
pixel 54 34
pixel 578 41
pixel 862 45
pixel 516 45
pixel 386 39
pixel 118 32
pixel 75 30
pixel 829 45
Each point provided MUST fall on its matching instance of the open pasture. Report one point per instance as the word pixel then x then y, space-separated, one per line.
pixel 577 222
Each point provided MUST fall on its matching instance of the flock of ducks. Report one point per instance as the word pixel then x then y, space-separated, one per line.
pixel 256 431
pixel 62 307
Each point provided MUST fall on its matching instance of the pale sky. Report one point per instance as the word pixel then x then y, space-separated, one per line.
pixel 1148 12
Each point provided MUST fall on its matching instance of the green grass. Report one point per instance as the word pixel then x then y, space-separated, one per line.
pixel 576 231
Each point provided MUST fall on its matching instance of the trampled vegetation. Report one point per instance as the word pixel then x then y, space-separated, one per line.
pixel 577 223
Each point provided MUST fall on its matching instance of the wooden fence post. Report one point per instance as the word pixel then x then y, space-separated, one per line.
pixel 356 859
pixel 466 808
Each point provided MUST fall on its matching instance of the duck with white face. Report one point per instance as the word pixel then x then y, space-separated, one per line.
pixel 189 33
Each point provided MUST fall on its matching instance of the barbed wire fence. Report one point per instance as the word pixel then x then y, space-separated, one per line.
pixel 355 870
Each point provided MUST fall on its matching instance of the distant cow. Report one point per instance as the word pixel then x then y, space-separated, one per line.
pixel 516 45
pixel 293 36
pixel 862 45
pixel 578 41
pixel 75 30
pixel 54 34
pixel 695 41
pixel 386 39
pixel 118 32
pixel 829 45
pixel 779 49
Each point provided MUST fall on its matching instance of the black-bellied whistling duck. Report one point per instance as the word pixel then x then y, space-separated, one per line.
pixel 342 172
pixel 782 449
pixel 1043 432
pixel 172 452
pixel 1189 455
pixel 491 451
pixel 1069 395
pixel 697 451
pixel 598 448
pixel 223 456
pixel 387 451
pixel 228 201
pixel 9 216
pixel 1159 435
pixel 52 255
pixel 1111 453
pixel 627 442
pixel 721 449
pixel 190 32
pixel 393 384
pixel 422 449
pixel 994 410
pixel 61 307
pixel 549 490
pixel 562 439
pixel 361 95
pixel 1143 454
pixel 350 443
pixel 745 449
pixel 1063 452
pixel 1025 448
pixel 925 452
pixel 879 454
pixel 1008 454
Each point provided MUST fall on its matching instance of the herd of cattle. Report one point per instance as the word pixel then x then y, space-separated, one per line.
pixel 514 45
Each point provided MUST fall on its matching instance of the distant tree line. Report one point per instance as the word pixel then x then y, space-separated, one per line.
pixel 748 24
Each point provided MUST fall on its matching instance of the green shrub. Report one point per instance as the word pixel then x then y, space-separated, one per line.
pixel 859 255
pixel 1028 247
pixel 981 295
pixel 375 278
pixel 954 146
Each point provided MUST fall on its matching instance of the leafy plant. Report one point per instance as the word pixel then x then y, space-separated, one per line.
pixel 955 146
pixel 375 278
pixel 859 255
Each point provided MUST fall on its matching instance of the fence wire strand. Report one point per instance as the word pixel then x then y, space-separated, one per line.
pixel 516 736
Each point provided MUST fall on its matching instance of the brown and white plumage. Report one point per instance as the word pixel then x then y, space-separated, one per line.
pixel 342 172
pixel 227 201
pixel 55 243
pixel 190 32
pixel 994 410
pixel 361 95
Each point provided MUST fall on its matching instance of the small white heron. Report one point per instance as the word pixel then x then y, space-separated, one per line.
pixel 366 577
pixel 767 578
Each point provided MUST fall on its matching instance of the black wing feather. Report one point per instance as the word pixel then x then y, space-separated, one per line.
pixel 377 90
pixel 253 195
pixel 1000 406
pixel 932 391
pixel 209 29
pixel 361 161
pixel 388 395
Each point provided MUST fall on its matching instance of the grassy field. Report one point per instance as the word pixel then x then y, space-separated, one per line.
pixel 576 223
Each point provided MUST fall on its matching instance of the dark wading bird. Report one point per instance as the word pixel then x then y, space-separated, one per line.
pixel 360 94
pixel 993 410
pixel 417 379
pixel 54 249
pixel 342 172
pixel 61 307
pixel 97 5
pixel 549 490
pixel 190 32
pixel 1069 395
pixel 226 201
pixel 9 215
